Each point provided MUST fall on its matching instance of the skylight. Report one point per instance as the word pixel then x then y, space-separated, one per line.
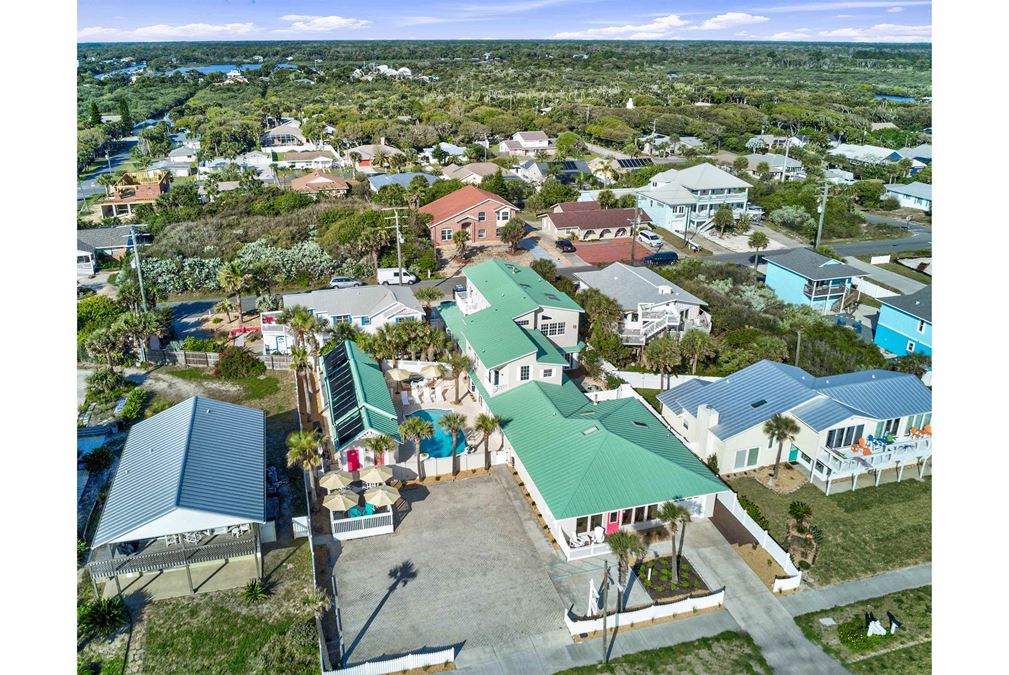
pixel 638 423
pixel 757 404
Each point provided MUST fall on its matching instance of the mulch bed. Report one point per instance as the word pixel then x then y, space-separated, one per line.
pixel 664 587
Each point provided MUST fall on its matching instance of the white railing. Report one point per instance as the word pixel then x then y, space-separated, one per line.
pixel 362 526
pixel 400 664
pixel 584 551
pixel 731 502
pixel 843 463
pixel 645 614
pixel 652 380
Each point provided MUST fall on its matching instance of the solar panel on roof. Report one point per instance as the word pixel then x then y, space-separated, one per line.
pixel 634 162
pixel 348 429
pixel 340 382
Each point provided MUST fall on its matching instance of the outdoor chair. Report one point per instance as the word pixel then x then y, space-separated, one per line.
pixel 439 395
pixel 404 398
pixel 598 535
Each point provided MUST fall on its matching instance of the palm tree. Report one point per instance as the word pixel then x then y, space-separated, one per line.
pixel 674 516
pixel 663 355
pixel 107 180
pixel 487 425
pixel 380 159
pixel 757 241
pixel 440 343
pixel 138 327
pixel 105 342
pixel 459 238
pixel 372 241
pixel 427 295
pixel 696 345
pixel 453 423
pixel 723 219
pixel 780 429
pixel 458 363
pixel 414 429
pixel 233 278
pixel 300 360
pixel 379 445
pixel 629 548
pixel 223 306
pixel 303 451
pixel 801 512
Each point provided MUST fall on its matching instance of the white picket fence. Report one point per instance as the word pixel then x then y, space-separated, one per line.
pixel 731 502
pixel 645 614
pixel 398 664
pixel 652 380
pixel 872 290
pixel 301 526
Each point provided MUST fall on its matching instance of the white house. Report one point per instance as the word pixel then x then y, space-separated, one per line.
pixel 912 195
pixel 849 425
pixel 652 306
pixel 367 308
pixel 776 165
pixel 526 143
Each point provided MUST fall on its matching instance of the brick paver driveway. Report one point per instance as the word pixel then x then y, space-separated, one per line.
pixel 610 250
pixel 479 581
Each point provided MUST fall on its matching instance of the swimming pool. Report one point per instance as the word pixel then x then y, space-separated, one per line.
pixel 439 445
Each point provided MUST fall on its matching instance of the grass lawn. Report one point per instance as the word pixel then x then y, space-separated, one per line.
pixel 676 241
pixel 726 652
pixel 866 532
pixel 222 633
pixel 106 656
pixel 652 396
pixel 870 301
pixel 905 271
pixel 907 651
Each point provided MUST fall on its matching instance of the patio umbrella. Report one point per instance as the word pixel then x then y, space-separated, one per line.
pixel 340 501
pixel 375 474
pixel 398 374
pixel 336 480
pixel 383 495
pixel 432 372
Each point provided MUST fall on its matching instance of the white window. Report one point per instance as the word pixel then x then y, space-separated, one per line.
pixel 341 318
pixel 921 326
pixel 548 372
pixel 446 234
pixel 504 215
pixel 481 216
pixel 523 373
pixel 746 458
pixel 523 322
pixel 910 346
pixel 481 234
pixel 553 328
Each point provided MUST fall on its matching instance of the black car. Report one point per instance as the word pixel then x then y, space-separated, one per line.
pixel 565 246
pixel 661 258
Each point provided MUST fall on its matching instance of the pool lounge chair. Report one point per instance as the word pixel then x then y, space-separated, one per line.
pixel 404 398
pixel 420 395
pixel 439 395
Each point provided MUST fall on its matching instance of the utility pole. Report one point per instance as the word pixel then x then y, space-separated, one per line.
pixel 798 343
pixel 606 588
pixel 108 161
pixel 822 210
pixel 784 166
pixel 140 274
pixel 635 224
pixel 399 247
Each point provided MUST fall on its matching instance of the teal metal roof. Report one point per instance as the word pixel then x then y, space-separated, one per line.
pixel 357 398
pixel 492 333
pixel 516 290
pixel 201 455
pixel 588 458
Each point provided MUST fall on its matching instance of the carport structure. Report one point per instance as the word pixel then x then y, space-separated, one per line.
pixel 188 490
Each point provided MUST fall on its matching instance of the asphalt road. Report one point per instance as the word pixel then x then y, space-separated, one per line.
pixel 88 181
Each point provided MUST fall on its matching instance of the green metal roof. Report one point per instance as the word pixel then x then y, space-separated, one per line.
pixel 493 335
pixel 369 382
pixel 516 290
pixel 588 458
pixel 546 351
pixel 372 400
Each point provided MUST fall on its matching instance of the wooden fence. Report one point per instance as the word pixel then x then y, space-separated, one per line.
pixel 209 359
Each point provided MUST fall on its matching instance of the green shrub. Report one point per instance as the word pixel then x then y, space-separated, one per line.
pixel 105 385
pixel 195 344
pixel 853 635
pixel 82 551
pixel 255 592
pixel 103 616
pixel 160 405
pixel 97 460
pixel 754 513
pixel 804 565
pixel 134 405
pixel 238 362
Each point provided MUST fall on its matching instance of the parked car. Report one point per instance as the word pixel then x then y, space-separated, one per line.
pixel 661 258
pixel 390 275
pixel 344 282
pixel 649 238
pixel 565 246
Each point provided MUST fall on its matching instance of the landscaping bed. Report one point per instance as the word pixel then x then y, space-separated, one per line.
pixel 761 562
pixel 906 651
pixel 856 540
pixel 664 585
pixel 727 652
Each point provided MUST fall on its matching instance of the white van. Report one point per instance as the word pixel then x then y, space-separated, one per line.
pixel 390 275
pixel 650 238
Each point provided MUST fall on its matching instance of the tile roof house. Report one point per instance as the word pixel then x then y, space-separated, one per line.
pixel 365 154
pixel 283 136
pixel 776 164
pixel 850 425
pixel 905 323
pixel 911 195
pixel 319 182
pixel 193 472
pixel 306 159
pixel 802 276
pixel 367 308
pixel 651 305
pixel 478 212
pixel 587 221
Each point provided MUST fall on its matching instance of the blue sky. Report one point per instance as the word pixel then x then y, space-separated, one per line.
pixel 807 20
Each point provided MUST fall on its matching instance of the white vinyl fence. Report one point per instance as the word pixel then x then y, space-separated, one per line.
pixel 399 664
pixel 652 380
pixel 731 502
pixel 650 613
pixel 873 290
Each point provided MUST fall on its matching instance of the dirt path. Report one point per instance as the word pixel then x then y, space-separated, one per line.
pixel 179 388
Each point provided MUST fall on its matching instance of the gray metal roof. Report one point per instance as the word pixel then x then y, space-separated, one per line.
pixel 700 177
pixel 631 286
pixel 105 238
pixel 811 265
pixel 918 304
pixel 380 180
pixel 774 161
pixel 200 455
pixel 916 189
pixel 755 394
pixel 360 301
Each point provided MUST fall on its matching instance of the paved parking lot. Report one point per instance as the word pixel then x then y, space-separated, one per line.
pixel 466 574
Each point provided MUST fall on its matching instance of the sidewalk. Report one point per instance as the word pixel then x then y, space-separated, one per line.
pixel 860 589
pixel 892 279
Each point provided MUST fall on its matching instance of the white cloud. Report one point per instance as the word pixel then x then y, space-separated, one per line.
pixel 164 31
pixel 894 10
pixel 730 20
pixel 302 23
pixel 844 4
pixel 797 34
pixel 882 32
pixel 659 28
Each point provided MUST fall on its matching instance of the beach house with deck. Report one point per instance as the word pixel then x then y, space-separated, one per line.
pixel 802 276
pixel 905 323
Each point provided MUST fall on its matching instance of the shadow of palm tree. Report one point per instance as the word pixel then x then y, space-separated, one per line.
pixel 401 575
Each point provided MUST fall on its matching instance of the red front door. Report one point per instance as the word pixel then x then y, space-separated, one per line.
pixel 353 459
pixel 612 522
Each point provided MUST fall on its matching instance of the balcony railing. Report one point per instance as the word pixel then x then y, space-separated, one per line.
pixel 824 290
pixel 362 526
pixel 170 558
pixel 843 462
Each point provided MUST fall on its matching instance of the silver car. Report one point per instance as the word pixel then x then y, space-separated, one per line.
pixel 344 282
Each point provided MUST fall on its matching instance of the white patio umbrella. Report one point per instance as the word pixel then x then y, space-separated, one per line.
pixel 375 474
pixel 398 374
pixel 383 495
pixel 340 501
pixel 432 372
pixel 336 480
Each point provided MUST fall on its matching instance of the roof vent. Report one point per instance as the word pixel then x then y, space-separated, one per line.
pixel 638 423
pixel 590 430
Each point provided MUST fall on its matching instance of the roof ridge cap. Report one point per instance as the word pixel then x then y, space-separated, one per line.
pixel 185 451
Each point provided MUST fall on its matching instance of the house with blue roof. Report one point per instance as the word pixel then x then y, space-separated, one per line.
pixel 802 276
pixel 188 494
pixel 850 425
pixel 905 323
pixel 380 180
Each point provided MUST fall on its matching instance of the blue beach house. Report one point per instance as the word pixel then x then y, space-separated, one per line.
pixel 905 323
pixel 804 277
